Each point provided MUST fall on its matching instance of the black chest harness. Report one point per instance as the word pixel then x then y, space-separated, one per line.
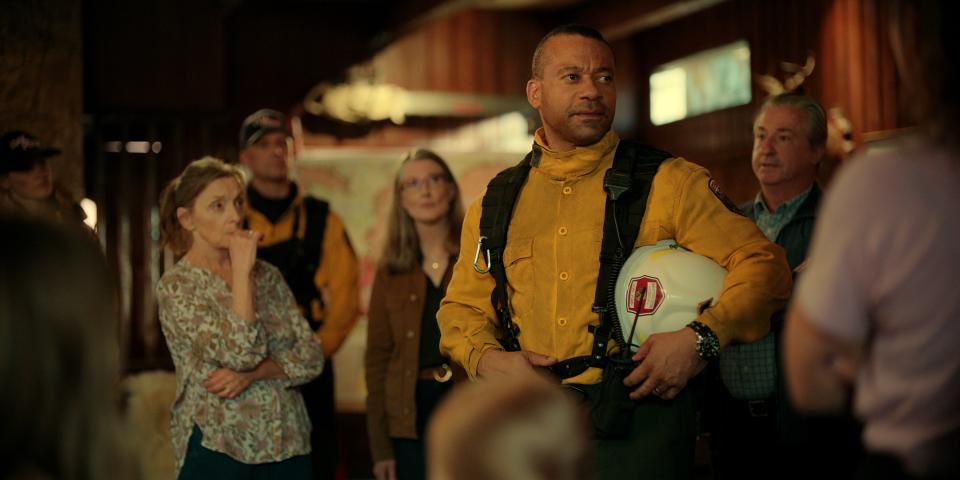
pixel 299 258
pixel 627 184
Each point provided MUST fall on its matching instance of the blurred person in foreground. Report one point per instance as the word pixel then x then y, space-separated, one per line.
pixel 876 317
pixel 405 372
pixel 58 356
pixel 239 343
pixel 518 428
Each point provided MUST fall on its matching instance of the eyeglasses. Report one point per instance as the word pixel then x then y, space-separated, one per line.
pixel 415 183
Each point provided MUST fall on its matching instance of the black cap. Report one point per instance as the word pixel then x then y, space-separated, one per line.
pixel 260 123
pixel 19 150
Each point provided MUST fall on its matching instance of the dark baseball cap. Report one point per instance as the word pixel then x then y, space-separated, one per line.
pixel 260 123
pixel 19 150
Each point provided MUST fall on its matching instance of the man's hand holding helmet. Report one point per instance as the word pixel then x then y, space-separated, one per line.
pixel 660 292
pixel 667 361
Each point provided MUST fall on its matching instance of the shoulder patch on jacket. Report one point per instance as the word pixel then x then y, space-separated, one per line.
pixel 715 188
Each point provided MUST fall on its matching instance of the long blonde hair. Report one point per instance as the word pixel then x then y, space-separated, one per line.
pixel 401 250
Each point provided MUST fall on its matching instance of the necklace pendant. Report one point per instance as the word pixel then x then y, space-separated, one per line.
pixel 435 265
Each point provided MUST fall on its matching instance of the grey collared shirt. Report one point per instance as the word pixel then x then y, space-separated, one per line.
pixel 771 223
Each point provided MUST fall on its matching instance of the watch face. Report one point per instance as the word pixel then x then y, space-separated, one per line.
pixel 713 350
pixel 708 347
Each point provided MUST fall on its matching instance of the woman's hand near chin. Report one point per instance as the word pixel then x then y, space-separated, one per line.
pixel 243 251
pixel 243 255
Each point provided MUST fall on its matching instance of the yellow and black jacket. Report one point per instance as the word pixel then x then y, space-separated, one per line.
pixel 552 258
pixel 335 308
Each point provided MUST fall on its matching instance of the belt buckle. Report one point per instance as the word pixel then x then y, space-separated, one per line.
pixel 758 408
pixel 445 376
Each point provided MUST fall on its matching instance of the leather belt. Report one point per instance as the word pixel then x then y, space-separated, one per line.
pixel 441 374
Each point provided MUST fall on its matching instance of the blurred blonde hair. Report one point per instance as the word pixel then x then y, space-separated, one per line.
pixel 508 429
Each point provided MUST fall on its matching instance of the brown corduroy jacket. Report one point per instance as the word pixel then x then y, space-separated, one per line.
pixel 392 357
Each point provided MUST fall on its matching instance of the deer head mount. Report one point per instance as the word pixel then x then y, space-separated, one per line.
pixel 796 74
pixel 840 139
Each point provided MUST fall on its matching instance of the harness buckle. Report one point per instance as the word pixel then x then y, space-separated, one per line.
pixel 476 257
pixel 616 183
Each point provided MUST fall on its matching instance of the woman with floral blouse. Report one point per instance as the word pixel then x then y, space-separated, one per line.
pixel 238 340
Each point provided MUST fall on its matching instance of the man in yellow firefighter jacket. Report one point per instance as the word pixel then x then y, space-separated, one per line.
pixel 551 261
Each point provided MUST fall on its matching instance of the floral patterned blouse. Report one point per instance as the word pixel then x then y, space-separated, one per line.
pixel 266 423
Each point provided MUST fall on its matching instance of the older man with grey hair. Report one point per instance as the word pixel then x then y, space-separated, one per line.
pixel 757 431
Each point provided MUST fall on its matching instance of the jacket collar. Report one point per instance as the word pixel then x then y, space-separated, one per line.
pixel 573 163
pixel 273 210
pixel 808 208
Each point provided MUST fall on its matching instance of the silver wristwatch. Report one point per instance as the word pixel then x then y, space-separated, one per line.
pixel 708 345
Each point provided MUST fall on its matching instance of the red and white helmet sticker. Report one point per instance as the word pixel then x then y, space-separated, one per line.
pixel 644 295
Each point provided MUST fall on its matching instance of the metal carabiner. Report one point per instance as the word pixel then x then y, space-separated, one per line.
pixel 476 257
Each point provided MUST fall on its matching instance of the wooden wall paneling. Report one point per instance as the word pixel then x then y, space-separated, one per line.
pixel 872 114
pixel 486 56
pixel 417 61
pixel 854 71
pixel 852 75
pixel 516 37
pixel 443 63
pixel 859 76
pixel 464 53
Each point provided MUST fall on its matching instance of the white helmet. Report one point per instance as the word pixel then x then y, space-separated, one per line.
pixel 663 288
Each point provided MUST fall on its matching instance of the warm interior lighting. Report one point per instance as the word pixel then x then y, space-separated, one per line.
pixel 90 209
pixel 668 96
pixel 704 82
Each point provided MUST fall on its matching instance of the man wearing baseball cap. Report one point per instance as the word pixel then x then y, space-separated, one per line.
pixel 26 181
pixel 309 244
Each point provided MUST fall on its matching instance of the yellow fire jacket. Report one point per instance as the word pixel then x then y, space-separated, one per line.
pixel 336 277
pixel 553 249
